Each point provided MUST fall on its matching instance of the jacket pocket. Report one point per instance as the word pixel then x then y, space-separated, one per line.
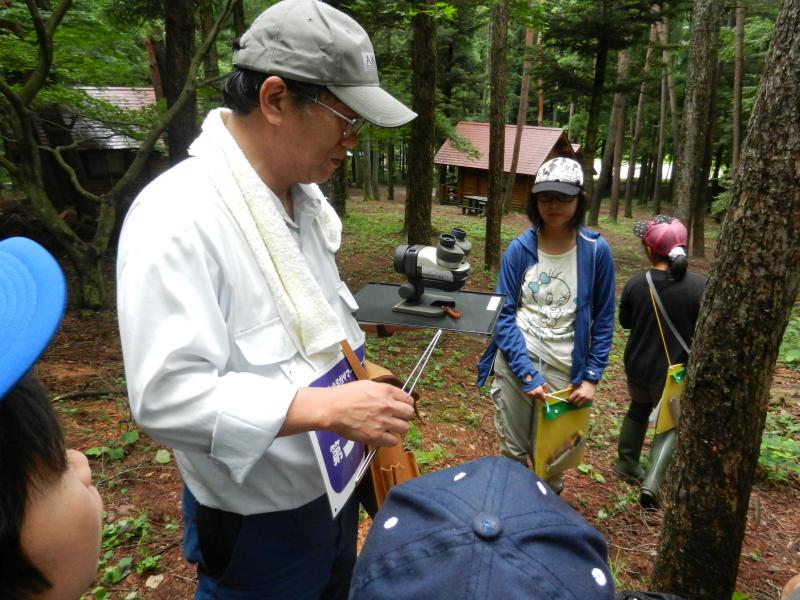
pixel 265 344
pixel 347 297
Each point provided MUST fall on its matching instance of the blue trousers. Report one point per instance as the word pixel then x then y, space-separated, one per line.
pixel 293 555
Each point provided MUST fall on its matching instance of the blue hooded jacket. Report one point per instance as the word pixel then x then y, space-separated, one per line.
pixel 594 315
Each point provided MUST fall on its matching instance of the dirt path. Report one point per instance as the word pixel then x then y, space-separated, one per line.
pixel 84 363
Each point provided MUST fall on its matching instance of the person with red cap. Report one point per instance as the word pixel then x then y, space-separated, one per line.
pixel 664 241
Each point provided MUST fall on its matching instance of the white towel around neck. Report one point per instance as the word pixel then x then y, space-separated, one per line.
pixel 302 306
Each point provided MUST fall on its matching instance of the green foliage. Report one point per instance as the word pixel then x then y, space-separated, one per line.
pixel 413 437
pixel 428 457
pixel 162 456
pixel 125 531
pixel 779 460
pixel 789 352
pixel 117 450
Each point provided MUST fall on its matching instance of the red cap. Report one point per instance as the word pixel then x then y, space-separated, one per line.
pixel 662 234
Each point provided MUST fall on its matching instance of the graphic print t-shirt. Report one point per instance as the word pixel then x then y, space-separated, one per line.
pixel 546 316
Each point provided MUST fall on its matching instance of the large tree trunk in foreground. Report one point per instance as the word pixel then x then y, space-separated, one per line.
pixel 420 164
pixel 747 303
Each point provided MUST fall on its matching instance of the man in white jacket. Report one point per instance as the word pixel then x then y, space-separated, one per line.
pixel 232 311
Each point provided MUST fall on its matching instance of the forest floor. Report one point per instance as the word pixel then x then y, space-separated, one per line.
pixel 142 488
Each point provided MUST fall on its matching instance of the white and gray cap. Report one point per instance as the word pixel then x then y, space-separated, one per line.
pixel 561 174
pixel 310 41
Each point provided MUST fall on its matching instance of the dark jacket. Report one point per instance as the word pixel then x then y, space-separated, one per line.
pixel 645 361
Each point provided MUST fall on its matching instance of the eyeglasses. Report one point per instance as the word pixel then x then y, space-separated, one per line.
pixel 550 197
pixel 353 125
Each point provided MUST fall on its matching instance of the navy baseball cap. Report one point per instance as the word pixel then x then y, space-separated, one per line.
pixel 489 528
pixel 33 294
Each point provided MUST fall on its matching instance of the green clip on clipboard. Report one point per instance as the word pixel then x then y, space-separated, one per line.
pixel 561 429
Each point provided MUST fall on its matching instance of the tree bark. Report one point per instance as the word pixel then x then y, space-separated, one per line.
pixel 179 21
pixel 619 132
pixel 704 40
pixel 637 128
pixel 662 134
pixel 337 189
pixel 738 68
pixel 590 143
pixel 239 23
pixel 211 59
pixel 522 113
pixel 390 171
pixel 420 163
pixel 748 299
pixel 497 134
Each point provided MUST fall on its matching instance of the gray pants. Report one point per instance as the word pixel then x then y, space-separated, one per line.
pixel 514 416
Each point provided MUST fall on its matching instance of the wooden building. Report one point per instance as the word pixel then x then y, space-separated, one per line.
pixel 537 145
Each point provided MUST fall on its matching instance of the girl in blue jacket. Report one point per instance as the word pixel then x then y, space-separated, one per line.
pixel 555 328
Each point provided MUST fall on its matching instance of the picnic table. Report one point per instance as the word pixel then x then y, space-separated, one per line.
pixel 473 205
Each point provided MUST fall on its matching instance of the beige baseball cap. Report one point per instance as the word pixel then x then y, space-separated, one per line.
pixel 310 41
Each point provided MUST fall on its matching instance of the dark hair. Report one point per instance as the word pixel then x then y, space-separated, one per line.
pixel 32 452
pixel 242 87
pixel 677 266
pixel 536 219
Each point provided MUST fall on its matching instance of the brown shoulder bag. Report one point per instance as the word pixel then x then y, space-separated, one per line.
pixel 390 465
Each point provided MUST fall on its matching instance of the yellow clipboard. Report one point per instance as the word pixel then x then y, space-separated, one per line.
pixel 669 406
pixel 561 430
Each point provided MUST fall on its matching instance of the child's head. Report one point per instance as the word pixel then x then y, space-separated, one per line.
pixel 488 528
pixel 664 239
pixel 559 182
pixel 49 512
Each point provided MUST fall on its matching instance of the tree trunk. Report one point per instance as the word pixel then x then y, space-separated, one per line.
pixel 637 128
pixel 605 169
pixel 239 23
pixel 666 62
pixel 539 84
pixel 420 163
pixel 522 113
pixel 179 21
pixel 703 43
pixel 390 171
pixel 590 143
pixel 748 299
pixel 211 59
pixel 497 134
pixel 738 68
pixel 337 189
pixel 619 133
pixel 662 134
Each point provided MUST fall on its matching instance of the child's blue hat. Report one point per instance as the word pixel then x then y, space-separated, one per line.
pixel 33 294
pixel 488 528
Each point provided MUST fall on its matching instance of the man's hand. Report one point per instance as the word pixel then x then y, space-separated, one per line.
pixel 582 394
pixel 364 411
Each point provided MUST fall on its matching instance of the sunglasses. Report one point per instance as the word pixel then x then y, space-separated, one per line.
pixel 353 125
pixel 554 197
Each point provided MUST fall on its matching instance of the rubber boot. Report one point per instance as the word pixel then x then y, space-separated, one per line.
pixel 660 457
pixel 629 449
